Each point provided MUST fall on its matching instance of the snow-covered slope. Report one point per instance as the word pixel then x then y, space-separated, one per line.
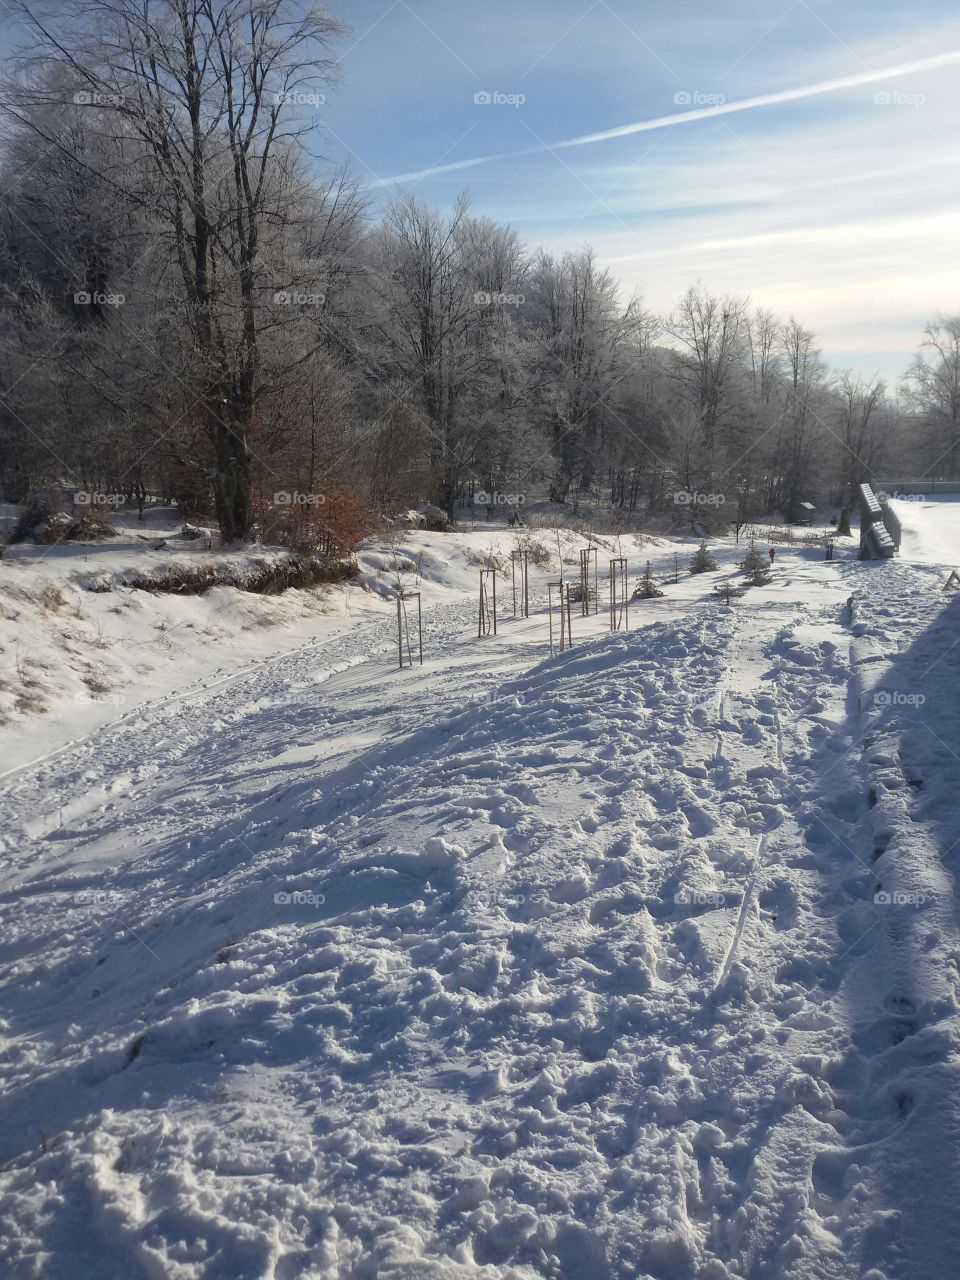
pixel 639 960
pixel 931 530
pixel 81 648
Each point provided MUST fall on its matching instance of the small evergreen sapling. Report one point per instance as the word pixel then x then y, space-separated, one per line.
pixel 756 566
pixel 702 561
pixel 728 593
pixel 647 588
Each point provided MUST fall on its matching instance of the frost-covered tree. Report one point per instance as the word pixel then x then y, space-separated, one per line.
pixel 933 389
pixel 861 420
pixel 581 338
pixel 711 336
pixel 199 100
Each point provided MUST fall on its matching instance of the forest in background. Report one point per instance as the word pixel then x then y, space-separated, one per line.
pixel 191 307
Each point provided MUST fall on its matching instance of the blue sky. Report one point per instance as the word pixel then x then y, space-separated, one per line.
pixel 841 207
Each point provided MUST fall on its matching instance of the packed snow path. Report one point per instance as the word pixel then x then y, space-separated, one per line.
pixel 637 961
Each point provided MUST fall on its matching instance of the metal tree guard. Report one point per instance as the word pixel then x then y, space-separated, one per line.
pixel 487 621
pixel 519 568
pixel 403 627
pixel 566 630
pixel 586 555
pixel 619 596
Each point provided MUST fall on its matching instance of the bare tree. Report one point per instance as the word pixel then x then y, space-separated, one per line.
pixel 764 343
pixel 861 423
pixel 933 387
pixel 711 334
pixel 204 96
pixel 581 353
pixel 802 432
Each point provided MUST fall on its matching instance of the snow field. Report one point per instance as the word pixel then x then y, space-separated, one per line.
pixel 581 972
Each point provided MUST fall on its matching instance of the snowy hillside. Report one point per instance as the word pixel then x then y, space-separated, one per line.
pixel 82 646
pixel 640 960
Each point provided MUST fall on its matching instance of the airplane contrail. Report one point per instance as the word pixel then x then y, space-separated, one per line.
pixel 685 117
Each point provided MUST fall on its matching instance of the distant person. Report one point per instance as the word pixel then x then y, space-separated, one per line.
pixel 773 555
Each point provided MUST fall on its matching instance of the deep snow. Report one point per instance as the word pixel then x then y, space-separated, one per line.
pixel 639 960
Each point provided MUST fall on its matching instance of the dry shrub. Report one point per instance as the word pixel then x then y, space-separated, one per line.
pixel 538 553
pixel 52 597
pixel 87 526
pixel 41 521
pixel 488 560
pixel 782 534
pixel 262 577
pixel 34 517
pixel 331 527
pixel 92 526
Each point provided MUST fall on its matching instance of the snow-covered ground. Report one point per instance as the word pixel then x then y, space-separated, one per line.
pixel 80 648
pixel 639 960
pixel 931 529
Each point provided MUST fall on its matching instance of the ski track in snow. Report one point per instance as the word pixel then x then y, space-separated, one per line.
pixel 580 974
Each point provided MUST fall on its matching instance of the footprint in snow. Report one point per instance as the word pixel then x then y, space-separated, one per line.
pixel 779 901
pixel 699 821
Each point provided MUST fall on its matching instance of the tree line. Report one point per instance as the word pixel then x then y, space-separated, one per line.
pixel 191 306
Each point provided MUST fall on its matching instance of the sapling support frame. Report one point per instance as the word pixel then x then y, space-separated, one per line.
pixel 487 618
pixel 589 560
pixel 519 568
pixel 562 602
pixel 619 595
pixel 403 627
